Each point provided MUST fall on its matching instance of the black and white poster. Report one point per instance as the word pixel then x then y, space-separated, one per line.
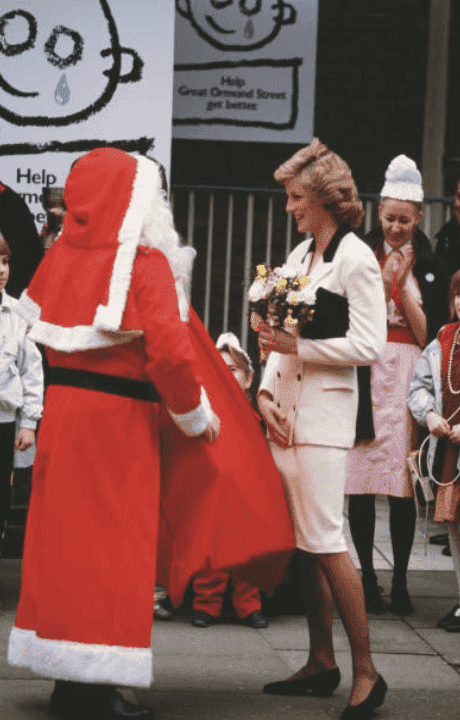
pixel 245 70
pixel 79 75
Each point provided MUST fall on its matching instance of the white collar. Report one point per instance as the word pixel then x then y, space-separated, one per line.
pixel 388 249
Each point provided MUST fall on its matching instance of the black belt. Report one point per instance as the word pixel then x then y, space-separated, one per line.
pixel 135 389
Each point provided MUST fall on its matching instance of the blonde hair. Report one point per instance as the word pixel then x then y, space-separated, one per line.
pixel 329 177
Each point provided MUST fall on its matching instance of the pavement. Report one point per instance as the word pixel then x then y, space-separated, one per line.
pixel 217 673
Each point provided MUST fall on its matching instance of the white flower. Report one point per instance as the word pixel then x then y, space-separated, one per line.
pixel 258 291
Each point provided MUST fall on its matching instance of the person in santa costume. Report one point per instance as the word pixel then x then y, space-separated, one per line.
pixel 109 303
pixel 209 588
pixel 105 305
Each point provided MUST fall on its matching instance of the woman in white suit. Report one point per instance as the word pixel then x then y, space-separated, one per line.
pixel 309 399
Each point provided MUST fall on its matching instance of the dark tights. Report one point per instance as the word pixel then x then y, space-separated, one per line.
pixel 361 515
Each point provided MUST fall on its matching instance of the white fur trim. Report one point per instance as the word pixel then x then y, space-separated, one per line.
pixel 79 662
pixel 146 186
pixel 109 317
pixel 27 308
pixel 196 421
pixel 148 221
pixel 80 337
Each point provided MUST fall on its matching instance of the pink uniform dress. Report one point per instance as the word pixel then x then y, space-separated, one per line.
pixel 379 466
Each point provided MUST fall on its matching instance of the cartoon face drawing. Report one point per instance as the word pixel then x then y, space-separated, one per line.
pixel 237 24
pixel 59 64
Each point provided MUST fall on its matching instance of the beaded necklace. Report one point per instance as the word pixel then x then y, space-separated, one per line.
pixel 449 367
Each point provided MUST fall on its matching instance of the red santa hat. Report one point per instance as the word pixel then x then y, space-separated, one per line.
pixel 79 297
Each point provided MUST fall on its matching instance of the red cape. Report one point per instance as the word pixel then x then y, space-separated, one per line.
pixel 223 506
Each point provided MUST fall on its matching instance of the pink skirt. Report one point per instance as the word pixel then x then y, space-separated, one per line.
pixel 379 466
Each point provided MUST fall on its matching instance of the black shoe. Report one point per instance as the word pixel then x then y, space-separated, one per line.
pixel 85 701
pixel 321 685
pixel 451 621
pixel 446 550
pixel 440 539
pixel 365 709
pixel 372 597
pixel 256 620
pixel 161 612
pixel 400 601
pixel 202 619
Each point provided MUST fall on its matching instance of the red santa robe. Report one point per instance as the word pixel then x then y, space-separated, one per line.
pixel 103 302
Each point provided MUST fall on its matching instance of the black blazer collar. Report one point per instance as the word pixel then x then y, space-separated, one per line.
pixel 334 243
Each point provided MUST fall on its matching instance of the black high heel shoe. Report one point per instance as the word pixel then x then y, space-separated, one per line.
pixel 364 710
pixel 321 685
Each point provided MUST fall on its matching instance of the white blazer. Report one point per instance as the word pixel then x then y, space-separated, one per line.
pixel 317 388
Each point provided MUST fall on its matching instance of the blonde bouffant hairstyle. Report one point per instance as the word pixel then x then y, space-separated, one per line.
pixel 325 174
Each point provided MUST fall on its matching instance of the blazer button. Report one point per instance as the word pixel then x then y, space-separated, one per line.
pixel 294 408
pixel 278 374
pixel 279 404
pixel 299 377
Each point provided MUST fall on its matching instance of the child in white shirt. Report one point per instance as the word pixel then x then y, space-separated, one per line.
pixel 21 385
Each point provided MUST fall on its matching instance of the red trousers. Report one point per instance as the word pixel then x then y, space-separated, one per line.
pixel 209 591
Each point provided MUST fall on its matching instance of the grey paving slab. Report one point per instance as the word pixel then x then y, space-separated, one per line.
pixel 428 611
pixel 25 700
pixel 291 633
pixel 445 644
pixel 6 623
pixel 180 637
pixel 395 637
pixel 424 583
pixel 211 673
pixel 225 706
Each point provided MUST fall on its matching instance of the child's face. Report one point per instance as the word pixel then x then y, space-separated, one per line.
pixel 457 306
pixel 243 380
pixel 4 270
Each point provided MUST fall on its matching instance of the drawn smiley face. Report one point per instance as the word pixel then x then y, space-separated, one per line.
pixel 57 68
pixel 237 24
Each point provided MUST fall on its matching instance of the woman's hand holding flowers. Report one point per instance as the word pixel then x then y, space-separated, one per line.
pixel 279 341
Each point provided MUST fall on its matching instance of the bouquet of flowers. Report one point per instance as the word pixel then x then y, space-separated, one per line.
pixel 280 299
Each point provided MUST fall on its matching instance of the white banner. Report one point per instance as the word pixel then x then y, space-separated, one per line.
pixel 245 70
pixel 78 75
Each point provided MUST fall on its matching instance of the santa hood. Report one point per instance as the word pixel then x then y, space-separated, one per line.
pixel 79 298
